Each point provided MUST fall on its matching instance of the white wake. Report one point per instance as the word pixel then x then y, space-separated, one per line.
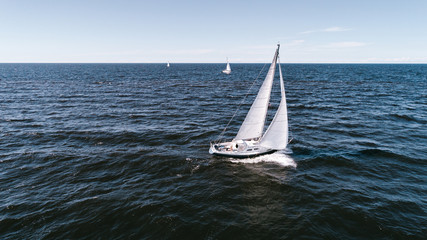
pixel 278 157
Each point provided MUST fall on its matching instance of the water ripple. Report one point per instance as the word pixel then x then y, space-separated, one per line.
pixel 121 151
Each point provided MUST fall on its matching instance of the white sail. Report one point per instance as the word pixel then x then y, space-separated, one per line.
pixel 227 69
pixel 168 65
pixel 276 136
pixel 253 125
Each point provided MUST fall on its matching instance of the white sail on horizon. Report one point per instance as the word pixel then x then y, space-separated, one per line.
pixel 227 69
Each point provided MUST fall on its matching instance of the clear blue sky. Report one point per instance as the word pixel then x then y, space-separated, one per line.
pixel 310 31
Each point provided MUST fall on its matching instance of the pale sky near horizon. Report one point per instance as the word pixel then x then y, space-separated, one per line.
pixel 199 31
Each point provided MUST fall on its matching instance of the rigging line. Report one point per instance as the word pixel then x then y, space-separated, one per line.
pixel 244 98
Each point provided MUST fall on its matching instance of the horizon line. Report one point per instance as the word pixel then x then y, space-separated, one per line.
pixel 211 62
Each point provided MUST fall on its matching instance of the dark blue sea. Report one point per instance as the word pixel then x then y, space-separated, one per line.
pixel 120 151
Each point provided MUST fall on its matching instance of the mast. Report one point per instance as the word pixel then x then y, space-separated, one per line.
pixel 253 125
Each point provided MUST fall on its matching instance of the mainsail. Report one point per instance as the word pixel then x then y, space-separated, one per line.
pixel 253 125
pixel 228 68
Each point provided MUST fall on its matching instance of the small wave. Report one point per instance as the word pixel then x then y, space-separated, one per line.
pixel 388 154
pixel 198 86
pixel 333 160
pixel 403 117
pixel 279 158
pixel 380 153
pixel 19 120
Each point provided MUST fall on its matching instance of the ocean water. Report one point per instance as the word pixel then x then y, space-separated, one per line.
pixel 120 151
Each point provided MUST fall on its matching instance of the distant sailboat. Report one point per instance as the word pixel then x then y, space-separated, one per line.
pixel 250 140
pixel 168 65
pixel 227 69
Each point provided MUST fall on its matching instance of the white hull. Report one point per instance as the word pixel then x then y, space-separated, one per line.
pixel 226 71
pixel 239 149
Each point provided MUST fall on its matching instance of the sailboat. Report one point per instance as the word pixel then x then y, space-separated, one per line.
pixel 168 65
pixel 250 140
pixel 227 69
